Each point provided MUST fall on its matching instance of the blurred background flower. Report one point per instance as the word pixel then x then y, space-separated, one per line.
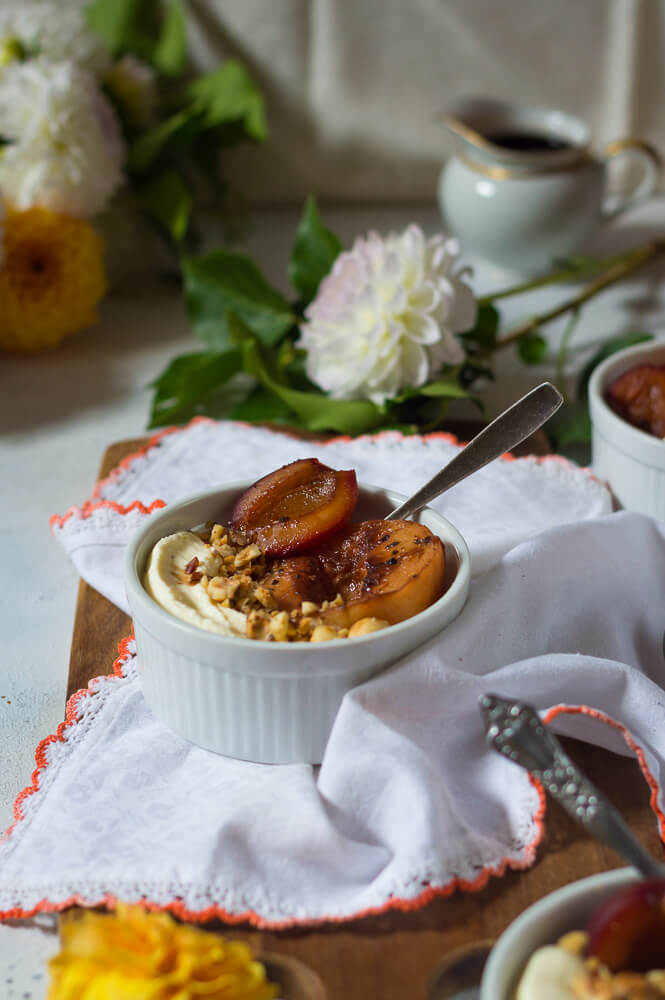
pixel 133 954
pixel 64 149
pixel 51 280
pixel 54 31
pixel 102 119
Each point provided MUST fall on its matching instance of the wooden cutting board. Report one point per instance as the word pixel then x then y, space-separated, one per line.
pixel 393 956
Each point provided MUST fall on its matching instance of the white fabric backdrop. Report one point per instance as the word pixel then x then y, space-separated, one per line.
pixel 353 85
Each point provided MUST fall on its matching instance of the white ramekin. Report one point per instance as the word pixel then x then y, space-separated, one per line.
pixel 631 461
pixel 543 923
pixel 264 701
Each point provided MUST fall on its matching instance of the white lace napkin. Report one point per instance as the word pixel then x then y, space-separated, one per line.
pixel 565 610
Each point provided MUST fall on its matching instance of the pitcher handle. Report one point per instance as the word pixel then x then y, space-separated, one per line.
pixel 652 165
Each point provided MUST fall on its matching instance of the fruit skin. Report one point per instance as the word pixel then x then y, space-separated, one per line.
pixel 296 507
pixel 627 931
pixel 638 396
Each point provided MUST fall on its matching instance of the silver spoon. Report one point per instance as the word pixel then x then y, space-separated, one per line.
pixel 503 434
pixel 516 731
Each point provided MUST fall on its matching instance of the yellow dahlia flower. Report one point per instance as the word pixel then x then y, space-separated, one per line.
pixel 51 279
pixel 133 954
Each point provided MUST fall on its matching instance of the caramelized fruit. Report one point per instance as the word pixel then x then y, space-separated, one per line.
pixel 638 396
pixel 627 932
pixel 296 507
pixel 382 569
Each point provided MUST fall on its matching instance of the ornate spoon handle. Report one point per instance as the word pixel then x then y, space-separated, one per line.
pixel 515 730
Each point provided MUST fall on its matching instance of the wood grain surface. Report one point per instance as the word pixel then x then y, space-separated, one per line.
pixel 392 956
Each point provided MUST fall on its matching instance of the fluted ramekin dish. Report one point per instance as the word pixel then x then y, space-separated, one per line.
pixel 544 922
pixel 270 702
pixel 630 460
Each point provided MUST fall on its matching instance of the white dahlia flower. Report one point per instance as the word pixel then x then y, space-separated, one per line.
pixel 55 31
pixel 65 150
pixel 386 316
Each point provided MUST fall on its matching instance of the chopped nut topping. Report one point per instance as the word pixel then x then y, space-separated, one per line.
pixel 235 578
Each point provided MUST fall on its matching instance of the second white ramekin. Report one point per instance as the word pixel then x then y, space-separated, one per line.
pixel 266 701
pixel 630 460
pixel 543 923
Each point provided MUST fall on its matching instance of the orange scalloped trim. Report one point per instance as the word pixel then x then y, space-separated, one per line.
pixel 178 908
pixel 630 742
pixel 92 504
pixel 428 895
pixel 71 717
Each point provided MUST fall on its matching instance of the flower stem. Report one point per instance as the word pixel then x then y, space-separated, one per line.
pixel 593 266
pixel 625 265
pixel 563 351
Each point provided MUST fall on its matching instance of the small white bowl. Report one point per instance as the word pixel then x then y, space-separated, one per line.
pixel 545 922
pixel 631 461
pixel 266 701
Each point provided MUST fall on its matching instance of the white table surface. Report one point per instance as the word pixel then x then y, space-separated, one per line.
pixel 60 409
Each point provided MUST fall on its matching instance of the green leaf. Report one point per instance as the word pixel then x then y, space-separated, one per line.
pixel 313 254
pixel 168 201
pixel 484 333
pixel 263 407
pixel 182 388
pixel 125 25
pixel 222 285
pixel 316 411
pixel 174 133
pixel 571 424
pixel 608 348
pixel 447 390
pixel 228 95
pixel 171 50
pixel 532 348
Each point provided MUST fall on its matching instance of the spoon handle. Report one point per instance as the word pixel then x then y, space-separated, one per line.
pixel 505 432
pixel 516 731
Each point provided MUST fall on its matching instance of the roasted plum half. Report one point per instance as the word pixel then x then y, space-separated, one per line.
pixel 627 932
pixel 297 507
pixel 638 396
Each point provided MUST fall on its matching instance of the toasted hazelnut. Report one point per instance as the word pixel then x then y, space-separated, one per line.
pixel 322 633
pixel 308 608
pixel 265 598
pixel 364 626
pixel 217 533
pixel 218 588
pixel 574 942
pixel 305 625
pixel 338 602
pixel 258 625
pixel 247 556
pixel 279 626
pixel 224 550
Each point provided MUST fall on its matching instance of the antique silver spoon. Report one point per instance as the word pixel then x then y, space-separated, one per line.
pixel 516 731
pixel 503 434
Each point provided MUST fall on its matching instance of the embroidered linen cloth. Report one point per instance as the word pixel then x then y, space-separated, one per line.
pixel 565 611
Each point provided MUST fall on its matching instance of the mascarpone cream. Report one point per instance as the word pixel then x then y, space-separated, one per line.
pixel 167 583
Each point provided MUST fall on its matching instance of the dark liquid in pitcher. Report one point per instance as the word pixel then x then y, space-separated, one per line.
pixel 528 142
